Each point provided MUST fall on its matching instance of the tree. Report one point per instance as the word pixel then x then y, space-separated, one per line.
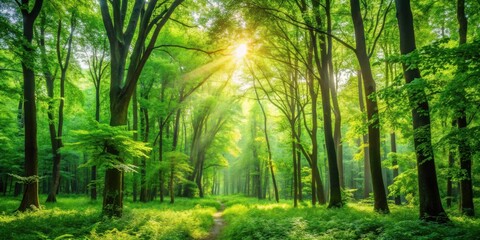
pixel 466 188
pixel 56 132
pixel 321 62
pixel 98 64
pixel 120 32
pixel 30 193
pixel 430 203
pixel 380 197
pixel 176 168
pixel 267 140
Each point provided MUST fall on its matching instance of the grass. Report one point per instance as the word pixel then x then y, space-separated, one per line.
pixel 354 221
pixel 79 218
pixel 246 218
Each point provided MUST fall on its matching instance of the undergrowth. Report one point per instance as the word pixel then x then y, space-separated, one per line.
pixel 246 218
pixel 354 221
pixel 79 218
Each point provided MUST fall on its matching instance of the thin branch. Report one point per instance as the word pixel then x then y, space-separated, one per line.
pixel 183 24
pixel 189 48
pixel 381 30
pixel 307 26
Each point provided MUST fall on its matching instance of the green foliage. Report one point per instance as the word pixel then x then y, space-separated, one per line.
pixel 356 221
pixel 176 166
pixel 79 218
pixel 97 140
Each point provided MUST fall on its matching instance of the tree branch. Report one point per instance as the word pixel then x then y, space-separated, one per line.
pixel 189 48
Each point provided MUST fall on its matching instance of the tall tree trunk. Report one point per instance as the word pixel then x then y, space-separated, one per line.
pixel 161 174
pixel 269 150
pixel 430 203
pixel 257 187
pixel 367 180
pixel 170 182
pixel 121 30
pixel 30 194
pixel 294 162
pixel 466 188
pixel 50 85
pixel 97 70
pixel 393 149
pixel 335 193
pixel 135 138
pixel 379 194
pixel 299 163
pixel 451 163
pixel 145 128
pixel 93 178
pixel 321 60
pixel 337 132
pixel 317 185
pixel 57 157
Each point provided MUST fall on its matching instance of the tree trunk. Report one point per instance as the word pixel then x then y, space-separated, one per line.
pixel 145 128
pixel 121 31
pixel 170 183
pixel 379 194
pixel 30 194
pixel 113 190
pixel 335 193
pixel 294 162
pixel 430 203
pixel 466 188
pixel 93 180
pixel 256 163
pixel 161 175
pixel 269 150
pixel 317 185
pixel 451 163
pixel 367 181
pixel 393 149
pixel 337 132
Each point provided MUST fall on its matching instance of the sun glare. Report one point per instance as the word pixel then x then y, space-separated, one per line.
pixel 241 51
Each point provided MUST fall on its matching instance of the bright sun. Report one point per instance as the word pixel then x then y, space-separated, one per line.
pixel 241 51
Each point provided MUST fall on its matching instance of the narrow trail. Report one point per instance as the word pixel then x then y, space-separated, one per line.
pixel 219 224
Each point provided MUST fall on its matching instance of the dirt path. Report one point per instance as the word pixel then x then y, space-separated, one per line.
pixel 219 224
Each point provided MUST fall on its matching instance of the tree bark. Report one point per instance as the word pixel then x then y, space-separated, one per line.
pixel 122 86
pixel 135 138
pixel 367 180
pixel 393 149
pixel 30 194
pixel 466 187
pixel 379 194
pixel 57 157
pixel 430 203
pixel 337 132
pixel 451 163
pixel 97 69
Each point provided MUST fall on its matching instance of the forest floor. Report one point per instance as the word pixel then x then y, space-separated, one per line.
pixel 232 217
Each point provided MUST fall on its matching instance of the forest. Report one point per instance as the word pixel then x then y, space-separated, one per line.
pixel 239 119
